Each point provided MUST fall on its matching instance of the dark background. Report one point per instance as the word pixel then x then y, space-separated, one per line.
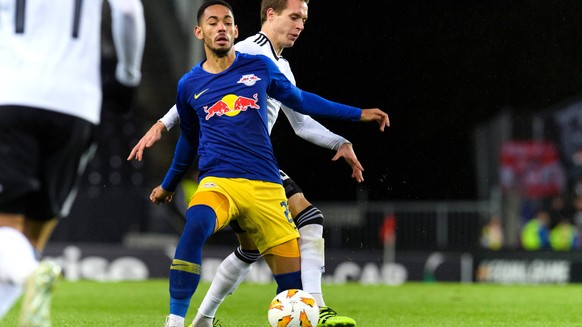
pixel 438 68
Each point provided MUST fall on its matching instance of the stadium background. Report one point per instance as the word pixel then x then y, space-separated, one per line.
pixel 444 71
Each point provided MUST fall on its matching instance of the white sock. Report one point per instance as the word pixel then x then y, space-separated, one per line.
pixel 202 320
pixel 312 247
pixel 17 262
pixel 231 272
pixel 8 295
pixel 174 320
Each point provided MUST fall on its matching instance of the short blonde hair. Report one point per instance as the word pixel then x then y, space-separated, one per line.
pixel 277 5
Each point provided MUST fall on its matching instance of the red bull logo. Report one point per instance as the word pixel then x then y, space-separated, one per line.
pixel 231 105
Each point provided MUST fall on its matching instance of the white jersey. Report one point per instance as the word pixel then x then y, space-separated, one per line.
pixel 303 125
pixel 50 53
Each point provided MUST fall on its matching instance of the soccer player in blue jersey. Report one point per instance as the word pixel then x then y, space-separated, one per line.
pixel 222 103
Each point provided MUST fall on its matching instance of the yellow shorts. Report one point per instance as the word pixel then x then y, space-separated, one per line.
pixel 259 207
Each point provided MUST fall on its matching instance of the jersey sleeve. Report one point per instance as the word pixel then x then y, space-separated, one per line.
pixel 305 102
pixel 128 30
pixel 248 47
pixel 312 131
pixel 184 157
pixel 171 118
pixel 187 145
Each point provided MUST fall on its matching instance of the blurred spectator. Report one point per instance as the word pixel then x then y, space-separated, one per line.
pixel 577 214
pixel 535 233
pixel 564 236
pixel 558 210
pixel 492 234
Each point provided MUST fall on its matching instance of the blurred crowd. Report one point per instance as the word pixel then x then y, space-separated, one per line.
pixel 552 224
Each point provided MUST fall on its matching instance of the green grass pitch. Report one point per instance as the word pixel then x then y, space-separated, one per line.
pixel 142 304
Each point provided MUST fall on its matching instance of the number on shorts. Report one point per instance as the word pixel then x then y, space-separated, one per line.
pixel 20 9
pixel 287 213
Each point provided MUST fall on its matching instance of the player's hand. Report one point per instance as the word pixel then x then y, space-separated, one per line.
pixel 377 115
pixel 152 136
pixel 346 151
pixel 159 195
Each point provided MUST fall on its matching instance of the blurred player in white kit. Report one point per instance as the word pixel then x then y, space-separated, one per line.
pixel 50 105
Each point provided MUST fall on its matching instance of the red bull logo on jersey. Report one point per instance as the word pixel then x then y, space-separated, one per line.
pixel 231 105
pixel 249 79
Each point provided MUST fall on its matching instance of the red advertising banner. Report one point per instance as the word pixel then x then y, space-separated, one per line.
pixel 532 168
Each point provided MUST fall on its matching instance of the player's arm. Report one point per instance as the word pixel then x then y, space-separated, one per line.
pixel 184 154
pixel 184 157
pixel 154 134
pixel 312 131
pixel 128 30
pixel 308 103
pixel 313 104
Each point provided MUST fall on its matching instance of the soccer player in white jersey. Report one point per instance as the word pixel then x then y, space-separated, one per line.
pixel 50 104
pixel 282 21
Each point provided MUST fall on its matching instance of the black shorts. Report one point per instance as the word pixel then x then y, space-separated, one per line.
pixel 42 157
pixel 290 189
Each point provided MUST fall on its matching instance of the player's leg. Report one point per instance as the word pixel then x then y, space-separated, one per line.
pixel 309 221
pixel 18 152
pixel 208 212
pixel 268 207
pixel 234 269
pixel 20 270
pixel 39 232
pixel 17 260
pixel 269 224
pixel 67 145
pixel 230 273
pixel 284 260
pixel 44 154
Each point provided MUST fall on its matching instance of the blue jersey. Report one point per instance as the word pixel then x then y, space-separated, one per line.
pixel 224 119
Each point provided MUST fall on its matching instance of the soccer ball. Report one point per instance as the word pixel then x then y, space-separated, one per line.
pixel 293 308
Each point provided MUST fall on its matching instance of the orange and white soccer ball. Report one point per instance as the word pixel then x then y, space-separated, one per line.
pixel 293 308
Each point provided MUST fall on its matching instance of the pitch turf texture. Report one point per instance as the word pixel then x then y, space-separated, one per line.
pixel 142 304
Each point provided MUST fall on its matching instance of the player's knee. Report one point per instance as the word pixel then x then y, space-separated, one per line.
pixel 310 215
pixel 200 222
pixel 246 242
pixel 246 255
pixel 297 203
pixel 215 200
pixel 284 258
